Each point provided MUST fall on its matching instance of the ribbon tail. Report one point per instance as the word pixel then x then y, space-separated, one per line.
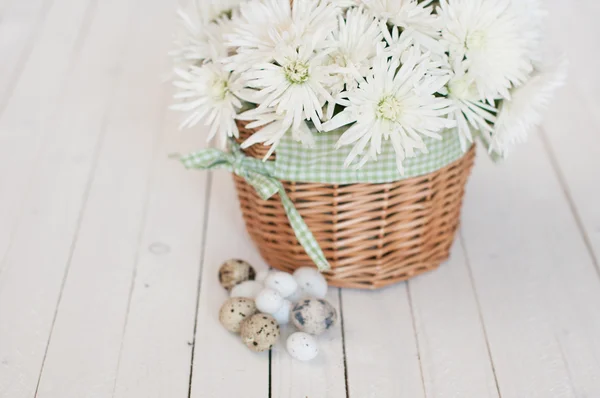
pixel 305 237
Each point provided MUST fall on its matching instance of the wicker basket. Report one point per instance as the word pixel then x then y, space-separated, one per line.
pixel 373 235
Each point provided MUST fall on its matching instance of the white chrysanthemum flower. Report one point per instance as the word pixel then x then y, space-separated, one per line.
pixel 294 86
pixel 265 25
pixel 207 93
pixel 203 25
pixel 395 103
pixel 344 3
pixel 523 112
pixel 410 14
pixel 274 127
pixel 354 46
pixel 530 14
pixel 488 34
pixel 470 112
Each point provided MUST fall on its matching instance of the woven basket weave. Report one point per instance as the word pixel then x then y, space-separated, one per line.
pixel 373 235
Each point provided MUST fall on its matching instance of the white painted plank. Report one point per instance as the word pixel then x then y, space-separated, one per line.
pixel 573 123
pixel 382 356
pixel 19 27
pixel 534 278
pixel 322 377
pixel 83 352
pixel 157 346
pixel 223 366
pixel 33 105
pixel 35 264
pixel 452 343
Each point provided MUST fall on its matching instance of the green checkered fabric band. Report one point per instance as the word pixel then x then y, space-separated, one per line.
pixel 321 164
pixel 325 164
pixel 258 174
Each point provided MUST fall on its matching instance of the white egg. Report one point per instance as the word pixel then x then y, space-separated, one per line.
pixel 311 281
pixel 302 346
pixel 282 282
pixel 282 316
pixel 262 275
pixel 298 295
pixel 249 289
pixel 268 301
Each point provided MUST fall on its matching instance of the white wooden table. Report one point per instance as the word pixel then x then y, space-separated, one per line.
pixel 109 250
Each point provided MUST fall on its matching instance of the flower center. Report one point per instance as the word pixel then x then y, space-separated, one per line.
pixel 219 89
pixel 462 88
pixel 389 108
pixel 476 40
pixel 296 72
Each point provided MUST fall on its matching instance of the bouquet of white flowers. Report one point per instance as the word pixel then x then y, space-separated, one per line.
pixel 397 70
pixel 372 107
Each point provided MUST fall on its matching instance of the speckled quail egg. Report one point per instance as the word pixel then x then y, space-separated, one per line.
pixel 235 311
pixel 314 316
pixel 282 282
pixel 260 332
pixel 234 272
pixel 282 316
pixel 302 346
pixel 268 301
pixel 248 289
pixel 311 281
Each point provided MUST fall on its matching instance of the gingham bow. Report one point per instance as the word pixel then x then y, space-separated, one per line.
pixel 255 172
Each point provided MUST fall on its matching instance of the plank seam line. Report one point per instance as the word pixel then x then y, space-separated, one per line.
pixel 22 61
pixel 80 217
pixel 479 310
pixel 81 37
pixel 565 188
pixel 343 343
pixel 150 183
pixel 417 343
pixel 201 265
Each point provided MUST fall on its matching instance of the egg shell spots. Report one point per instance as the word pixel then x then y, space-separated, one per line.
pixel 282 282
pixel 260 332
pixel 312 282
pixel 249 289
pixel 268 301
pixel 233 272
pixel 302 346
pixel 314 316
pixel 235 311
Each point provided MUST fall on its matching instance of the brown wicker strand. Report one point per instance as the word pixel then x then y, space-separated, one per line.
pixel 373 235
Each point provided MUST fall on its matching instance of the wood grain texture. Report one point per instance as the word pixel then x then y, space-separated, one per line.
pixel 35 264
pixel 223 366
pixel 534 279
pixel 83 353
pixel 381 349
pixel 157 345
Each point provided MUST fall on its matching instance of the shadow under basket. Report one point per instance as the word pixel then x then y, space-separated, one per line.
pixel 373 235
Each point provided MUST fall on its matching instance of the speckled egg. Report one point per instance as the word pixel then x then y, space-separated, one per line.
pixel 282 282
pixel 311 281
pixel 314 316
pixel 302 346
pixel 234 272
pixel 282 316
pixel 235 311
pixel 260 332
pixel 268 301
pixel 249 289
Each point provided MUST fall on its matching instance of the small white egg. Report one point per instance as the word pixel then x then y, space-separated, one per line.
pixel 249 289
pixel 298 295
pixel 282 282
pixel 282 316
pixel 302 346
pixel 311 281
pixel 262 275
pixel 268 301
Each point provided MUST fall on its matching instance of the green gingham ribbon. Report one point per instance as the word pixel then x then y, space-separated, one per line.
pixel 258 174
